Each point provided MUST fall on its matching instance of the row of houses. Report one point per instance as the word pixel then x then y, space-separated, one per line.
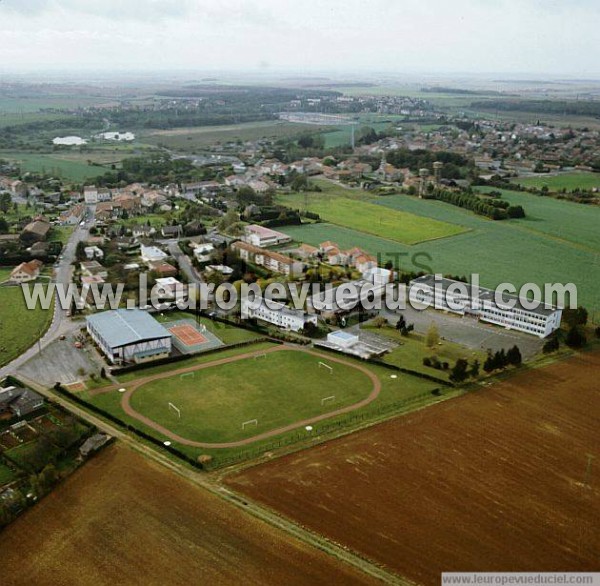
pixel 331 253
pixel 270 260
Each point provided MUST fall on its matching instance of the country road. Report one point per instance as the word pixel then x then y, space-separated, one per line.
pixel 61 323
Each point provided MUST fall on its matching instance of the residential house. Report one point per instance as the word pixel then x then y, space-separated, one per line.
pixel 222 269
pixel 19 401
pixel 90 194
pixel 143 231
pixel 26 271
pixel 306 251
pixel 163 269
pixel 202 251
pixel 167 287
pixel 93 252
pixel 73 216
pixel 152 254
pixel 172 231
pixel 92 268
pixel 36 231
pixel 108 210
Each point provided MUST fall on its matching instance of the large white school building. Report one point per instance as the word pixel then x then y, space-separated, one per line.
pixel 279 314
pixel 449 295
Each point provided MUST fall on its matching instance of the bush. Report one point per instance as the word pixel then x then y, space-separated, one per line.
pixel 575 338
pixel 551 345
pixel 426 361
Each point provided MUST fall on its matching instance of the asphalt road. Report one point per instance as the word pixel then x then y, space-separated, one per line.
pixel 61 324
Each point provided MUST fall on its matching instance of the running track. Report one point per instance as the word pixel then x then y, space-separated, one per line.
pixel 126 405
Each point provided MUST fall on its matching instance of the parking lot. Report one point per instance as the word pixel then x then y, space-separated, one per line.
pixel 62 362
pixel 467 331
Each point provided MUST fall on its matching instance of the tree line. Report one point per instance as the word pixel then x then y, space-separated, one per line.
pixel 494 209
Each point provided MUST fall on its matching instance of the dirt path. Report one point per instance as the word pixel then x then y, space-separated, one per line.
pixel 126 405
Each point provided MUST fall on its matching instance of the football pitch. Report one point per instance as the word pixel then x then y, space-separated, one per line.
pixel 251 395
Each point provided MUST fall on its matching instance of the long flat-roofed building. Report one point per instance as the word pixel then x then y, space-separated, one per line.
pixel 129 335
pixel 264 237
pixel 279 314
pixel 446 294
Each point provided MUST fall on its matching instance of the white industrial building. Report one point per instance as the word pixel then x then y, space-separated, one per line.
pixel 279 315
pixel 445 294
pixel 263 237
pixel 129 335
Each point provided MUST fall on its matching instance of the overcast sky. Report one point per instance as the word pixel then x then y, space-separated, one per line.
pixel 529 36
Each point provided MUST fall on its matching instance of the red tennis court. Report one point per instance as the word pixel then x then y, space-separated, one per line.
pixel 188 335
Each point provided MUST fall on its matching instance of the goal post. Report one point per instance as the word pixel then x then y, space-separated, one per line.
pixel 250 422
pixel 329 399
pixel 326 366
pixel 176 409
pixel 187 375
pixel 257 356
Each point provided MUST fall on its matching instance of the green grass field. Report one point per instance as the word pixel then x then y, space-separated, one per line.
pixel 342 135
pixel 6 474
pixel 228 334
pixel 60 233
pixel 397 395
pixel 19 327
pixel 567 181
pixel 358 213
pixel 277 390
pixel 74 170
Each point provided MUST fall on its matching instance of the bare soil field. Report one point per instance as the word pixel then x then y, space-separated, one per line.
pixel 496 480
pixel 122 519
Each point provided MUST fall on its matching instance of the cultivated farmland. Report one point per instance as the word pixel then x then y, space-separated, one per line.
pixel 199 138
pixel 360 214
pixel 567 181
pixel 557 242
pixel 495 479
pixel 122 519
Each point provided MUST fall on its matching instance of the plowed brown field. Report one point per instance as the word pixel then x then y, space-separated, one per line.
pixel 496 480
pixel 122 519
